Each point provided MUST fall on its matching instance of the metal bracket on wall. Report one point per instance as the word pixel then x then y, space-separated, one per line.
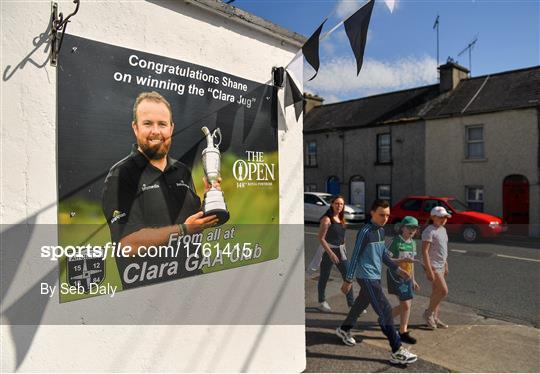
pixel 279 75
pixel 58 28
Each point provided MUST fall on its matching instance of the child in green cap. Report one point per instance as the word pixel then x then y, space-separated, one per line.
pixel 403 250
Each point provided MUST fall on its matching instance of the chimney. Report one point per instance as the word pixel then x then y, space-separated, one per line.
pixel 451 73
pixel 311 101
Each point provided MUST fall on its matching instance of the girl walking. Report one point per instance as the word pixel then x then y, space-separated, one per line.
pixel 332 239
pixel 435 254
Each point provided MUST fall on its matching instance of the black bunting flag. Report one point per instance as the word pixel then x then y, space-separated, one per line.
pixel 293 96
pixel 310 49
pixel 356 27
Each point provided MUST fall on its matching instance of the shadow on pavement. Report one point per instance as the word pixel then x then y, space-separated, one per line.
pixel 314 338
pixel 350 358
pixel 316 310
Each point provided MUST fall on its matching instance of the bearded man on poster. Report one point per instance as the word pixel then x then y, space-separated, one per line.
pixel 149 196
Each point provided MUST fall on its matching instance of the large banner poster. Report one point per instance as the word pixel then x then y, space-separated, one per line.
pixel 112 195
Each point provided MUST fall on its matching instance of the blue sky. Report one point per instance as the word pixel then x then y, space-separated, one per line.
pixel 401 48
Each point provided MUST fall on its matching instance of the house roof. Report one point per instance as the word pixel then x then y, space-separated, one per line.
pixel 250 20
pixel 496 92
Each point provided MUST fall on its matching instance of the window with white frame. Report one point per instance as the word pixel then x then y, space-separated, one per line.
pixel 384 192
pixel 475 142
pixel 311 154
pixel 475 198
pixel 384 151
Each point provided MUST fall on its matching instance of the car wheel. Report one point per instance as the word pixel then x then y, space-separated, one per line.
pixel 470 234
pixel 397 226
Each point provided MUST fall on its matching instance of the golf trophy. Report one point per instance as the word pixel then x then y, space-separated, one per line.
pixel 214 201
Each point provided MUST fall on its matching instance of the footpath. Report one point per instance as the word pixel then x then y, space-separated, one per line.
pixel 472 343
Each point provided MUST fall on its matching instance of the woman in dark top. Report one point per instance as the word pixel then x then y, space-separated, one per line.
pixel 332 239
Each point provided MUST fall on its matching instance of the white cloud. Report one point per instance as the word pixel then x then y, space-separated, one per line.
pixel 341 35
pixel 330 99
pixel 337 40
pixel 337 77
pixel 345 8
pixel 328 47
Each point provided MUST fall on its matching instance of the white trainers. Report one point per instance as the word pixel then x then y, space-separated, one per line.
pixel 440 323
pixel 403 356
pixel 430 320
pixel 345 336
pixel 325 307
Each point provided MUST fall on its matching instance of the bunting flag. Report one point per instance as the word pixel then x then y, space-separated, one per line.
pixel 293 95
pixel 390 4
pixel 356 27
pixel 293 83
pixel 310 49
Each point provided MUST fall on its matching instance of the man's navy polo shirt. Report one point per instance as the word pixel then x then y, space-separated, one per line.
pixel 138 195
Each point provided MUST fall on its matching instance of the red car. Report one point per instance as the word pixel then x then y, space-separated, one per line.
pixel 468 224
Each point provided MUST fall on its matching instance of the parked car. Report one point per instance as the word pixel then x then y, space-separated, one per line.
pixel 470 225
pixel 317 203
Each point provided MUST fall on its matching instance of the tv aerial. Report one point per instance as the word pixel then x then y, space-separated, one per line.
pixel 469 48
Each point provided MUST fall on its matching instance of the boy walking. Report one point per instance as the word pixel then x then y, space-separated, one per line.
pixel 366 265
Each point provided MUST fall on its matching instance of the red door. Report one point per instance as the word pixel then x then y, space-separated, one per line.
pixel 516 203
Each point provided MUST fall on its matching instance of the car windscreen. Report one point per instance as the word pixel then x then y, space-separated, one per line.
pixel 458 205
pixel 311 199
pixel 326 198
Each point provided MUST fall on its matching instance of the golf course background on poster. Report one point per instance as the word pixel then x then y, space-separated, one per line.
pixel 97 87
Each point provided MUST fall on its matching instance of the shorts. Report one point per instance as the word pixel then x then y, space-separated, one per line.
pixel 437 269
pixel 403 289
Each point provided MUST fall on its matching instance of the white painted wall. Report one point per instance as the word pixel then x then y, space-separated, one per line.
pixel 29 195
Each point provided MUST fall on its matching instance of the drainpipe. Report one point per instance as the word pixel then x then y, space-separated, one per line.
pixel 342 136
pixel 391 166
